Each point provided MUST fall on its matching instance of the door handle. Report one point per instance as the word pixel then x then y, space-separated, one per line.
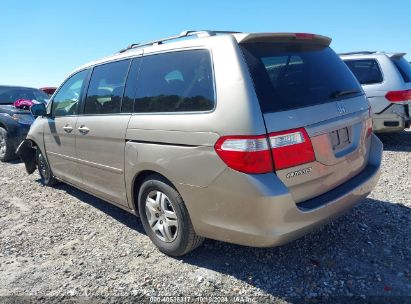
pixel 83 129
pixel 67 128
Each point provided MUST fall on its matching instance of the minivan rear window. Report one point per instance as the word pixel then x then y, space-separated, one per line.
pixel 367 71
pixel 293 76
pixel 403 67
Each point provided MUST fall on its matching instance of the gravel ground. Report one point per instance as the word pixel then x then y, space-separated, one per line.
pixel 60 243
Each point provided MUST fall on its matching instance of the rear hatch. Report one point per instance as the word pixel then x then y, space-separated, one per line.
pixel 403 67
pixel 402 96
pixel 315 112
pixel 383 93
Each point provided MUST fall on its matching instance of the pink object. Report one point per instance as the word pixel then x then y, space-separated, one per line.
pixel 23 103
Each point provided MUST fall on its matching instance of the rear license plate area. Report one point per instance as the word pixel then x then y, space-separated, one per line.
pixel 340 138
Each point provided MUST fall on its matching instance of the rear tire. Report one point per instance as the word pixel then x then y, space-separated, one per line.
pixel 46 175
pixel 165 217
pixel 6 152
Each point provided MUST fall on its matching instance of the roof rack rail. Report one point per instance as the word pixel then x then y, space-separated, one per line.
pixel 198 34
pixel 359 53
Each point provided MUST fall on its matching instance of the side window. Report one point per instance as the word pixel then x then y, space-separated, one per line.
pixel 106 87
pixel 66 101
pixel 175 82
pixel 127 106
pixel 367 71
pixel 403 67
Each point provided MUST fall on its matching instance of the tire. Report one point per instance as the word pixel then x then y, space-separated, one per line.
pixel 46 175
pixel 6 151
pixel 162 207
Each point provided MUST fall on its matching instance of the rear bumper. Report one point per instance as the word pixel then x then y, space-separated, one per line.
pixel 255 211
pixel 391 121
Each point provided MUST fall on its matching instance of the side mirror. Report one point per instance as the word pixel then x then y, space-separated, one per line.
pixel 38 110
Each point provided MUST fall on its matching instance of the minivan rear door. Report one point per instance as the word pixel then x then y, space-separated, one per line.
pixel 100 131
pixel 309 100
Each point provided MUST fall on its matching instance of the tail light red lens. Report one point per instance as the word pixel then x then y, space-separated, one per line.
pixel 255 154
pixel 291 148
pixel 248 154
pixel 398 96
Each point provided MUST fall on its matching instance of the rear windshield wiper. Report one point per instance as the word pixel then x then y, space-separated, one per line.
pixel 341 93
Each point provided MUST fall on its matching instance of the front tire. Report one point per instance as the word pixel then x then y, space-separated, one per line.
pixel 6 152
pixel 165 217
pixel 46 175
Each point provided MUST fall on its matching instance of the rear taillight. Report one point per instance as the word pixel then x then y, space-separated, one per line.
pixel 398 96
pixel 255 154
pixel 291 148
pixel 248 154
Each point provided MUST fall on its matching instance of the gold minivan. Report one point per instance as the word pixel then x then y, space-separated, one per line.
pixel 253 139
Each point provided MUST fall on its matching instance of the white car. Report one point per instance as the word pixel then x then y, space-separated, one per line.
pixel 386 79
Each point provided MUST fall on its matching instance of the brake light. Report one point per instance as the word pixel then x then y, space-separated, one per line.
pixel 291 148
pixel 304 36
pixel 398 96
pixel 248 154
pixel 251 154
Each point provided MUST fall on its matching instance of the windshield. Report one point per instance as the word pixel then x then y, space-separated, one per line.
pixel 8 95
pixel 293 76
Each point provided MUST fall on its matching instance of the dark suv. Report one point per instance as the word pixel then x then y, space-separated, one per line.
pixel 15 123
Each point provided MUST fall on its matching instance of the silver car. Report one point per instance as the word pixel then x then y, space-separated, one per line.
pixel 386 79
pixel 254 139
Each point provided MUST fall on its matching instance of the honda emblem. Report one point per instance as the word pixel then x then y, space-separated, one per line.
pixel 341 108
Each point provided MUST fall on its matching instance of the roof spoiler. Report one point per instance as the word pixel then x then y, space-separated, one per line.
pixel 396 55
pixel 284 37
pixel 390 55
pixel 358 53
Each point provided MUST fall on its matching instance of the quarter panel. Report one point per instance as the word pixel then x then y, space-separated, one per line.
pixel 378 101
pixel 189 138
pixel 196 166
